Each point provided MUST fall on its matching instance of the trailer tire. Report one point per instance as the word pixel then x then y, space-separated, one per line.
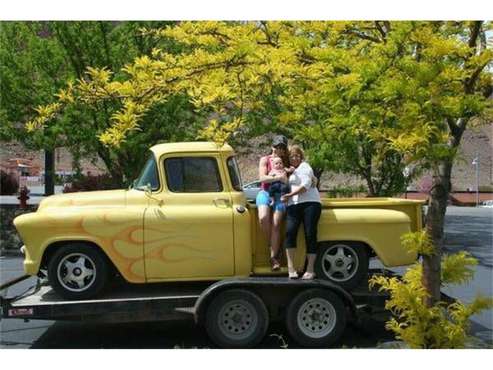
pixel 316 318
pixel 236 318
pixel 342 263
pixel 77 271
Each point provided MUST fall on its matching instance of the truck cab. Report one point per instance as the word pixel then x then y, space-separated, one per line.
pixel 197 223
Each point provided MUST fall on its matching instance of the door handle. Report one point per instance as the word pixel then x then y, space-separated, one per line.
pixel 221 201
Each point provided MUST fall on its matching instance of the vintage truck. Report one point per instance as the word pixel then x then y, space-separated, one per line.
pixel 186 219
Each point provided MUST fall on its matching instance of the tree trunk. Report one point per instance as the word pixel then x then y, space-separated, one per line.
pixel 113 169
pixel 317 172
pixel 439 195
pixel 369 183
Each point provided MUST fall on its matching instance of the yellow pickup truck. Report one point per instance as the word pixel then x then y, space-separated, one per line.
pixel 186 219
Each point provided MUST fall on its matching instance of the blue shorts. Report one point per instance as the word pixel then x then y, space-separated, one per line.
pixel 263 199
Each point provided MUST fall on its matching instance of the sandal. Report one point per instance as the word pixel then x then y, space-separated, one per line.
pixel 274 264
pixel 308 276
pixel 293 275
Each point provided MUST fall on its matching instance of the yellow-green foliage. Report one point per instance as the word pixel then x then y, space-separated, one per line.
pixel 396 87
pixel 418 242
pixel 441 326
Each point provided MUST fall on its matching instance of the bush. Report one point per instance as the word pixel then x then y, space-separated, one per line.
pixel 444 325
pixel 89 183
pixel 8 183
pixel 347 191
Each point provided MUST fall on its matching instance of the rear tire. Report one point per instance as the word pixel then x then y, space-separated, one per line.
pixel 236 318
pixel 78 271
pixel 316 318
pixel 342 263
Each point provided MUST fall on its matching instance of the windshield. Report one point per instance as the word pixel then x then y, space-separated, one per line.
pixel 148 176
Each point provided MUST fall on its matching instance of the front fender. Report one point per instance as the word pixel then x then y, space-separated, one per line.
pixel 118 232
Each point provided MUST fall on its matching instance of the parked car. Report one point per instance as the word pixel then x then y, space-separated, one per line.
pixel 251 190
pixel 186 218
pixel 487 204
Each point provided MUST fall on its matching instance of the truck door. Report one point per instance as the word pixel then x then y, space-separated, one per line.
pixel 190 234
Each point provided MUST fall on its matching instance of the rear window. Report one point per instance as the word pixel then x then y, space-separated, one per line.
pixel 234 174
pixel 193 175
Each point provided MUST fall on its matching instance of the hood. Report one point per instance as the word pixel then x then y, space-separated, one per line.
pixel 110 198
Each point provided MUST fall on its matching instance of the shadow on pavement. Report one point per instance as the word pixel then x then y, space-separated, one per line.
pixel 184 334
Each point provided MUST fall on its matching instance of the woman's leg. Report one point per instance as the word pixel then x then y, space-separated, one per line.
pixel 275 233
pixel 311 216
pixel 264 213
pixel 264 218
pixel 293 220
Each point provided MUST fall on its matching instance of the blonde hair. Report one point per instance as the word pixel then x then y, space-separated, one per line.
pixel 296 149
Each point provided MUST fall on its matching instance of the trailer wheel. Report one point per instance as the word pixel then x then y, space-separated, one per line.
pixel 316 318
pixel 77 271
pixel 342 263
pixel 236 318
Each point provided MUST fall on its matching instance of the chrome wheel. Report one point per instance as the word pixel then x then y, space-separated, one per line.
pixel 237 319
pixel 316 318
pixel 340 262
pixel 76 272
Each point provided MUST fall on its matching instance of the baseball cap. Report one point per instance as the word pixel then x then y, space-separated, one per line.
pixel 279 140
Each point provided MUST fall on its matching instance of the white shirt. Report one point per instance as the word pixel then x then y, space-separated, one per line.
pixel 302 176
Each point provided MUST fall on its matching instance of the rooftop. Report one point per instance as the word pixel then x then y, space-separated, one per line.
pixel 194 146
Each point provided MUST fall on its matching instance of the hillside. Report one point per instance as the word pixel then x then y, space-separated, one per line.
pixel 476 141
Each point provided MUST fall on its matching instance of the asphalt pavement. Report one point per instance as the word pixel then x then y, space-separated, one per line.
pixel 468 229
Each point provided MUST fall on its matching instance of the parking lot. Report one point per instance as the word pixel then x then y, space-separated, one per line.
pixel 470 229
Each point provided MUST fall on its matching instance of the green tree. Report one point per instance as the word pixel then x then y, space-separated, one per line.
pixel 372 97
pixel 40 58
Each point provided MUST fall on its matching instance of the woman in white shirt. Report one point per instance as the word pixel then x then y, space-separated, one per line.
pixel 304 205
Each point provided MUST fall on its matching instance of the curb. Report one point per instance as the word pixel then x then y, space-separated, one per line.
pixel 11 253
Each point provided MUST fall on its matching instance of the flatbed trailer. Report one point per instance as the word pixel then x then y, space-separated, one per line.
pixel 207 303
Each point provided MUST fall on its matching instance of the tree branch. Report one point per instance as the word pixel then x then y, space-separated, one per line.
pixel 475 30
pixel 363 36
pixel 381 30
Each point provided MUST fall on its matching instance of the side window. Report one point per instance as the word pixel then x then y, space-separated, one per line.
pixel 193 175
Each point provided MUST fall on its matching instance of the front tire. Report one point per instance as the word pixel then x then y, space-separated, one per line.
pixel 237 318
pixel 316 318
pixel 77 271
pixel 343 263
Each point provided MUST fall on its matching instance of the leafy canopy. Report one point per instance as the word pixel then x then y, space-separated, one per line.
pixel 368 97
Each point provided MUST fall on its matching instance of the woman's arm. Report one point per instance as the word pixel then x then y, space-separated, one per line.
pixel 294 191
pixel 305 173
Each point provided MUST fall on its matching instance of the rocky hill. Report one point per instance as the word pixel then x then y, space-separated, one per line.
pixel 476 142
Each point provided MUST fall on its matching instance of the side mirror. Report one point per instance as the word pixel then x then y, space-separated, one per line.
pixel 148 192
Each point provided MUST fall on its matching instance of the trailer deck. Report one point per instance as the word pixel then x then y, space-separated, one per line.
pixel 132 303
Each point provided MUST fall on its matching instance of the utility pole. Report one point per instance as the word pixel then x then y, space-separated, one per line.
pixel 475 162
pixel 49 172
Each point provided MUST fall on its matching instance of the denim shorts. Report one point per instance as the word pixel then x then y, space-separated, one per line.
pixel 263 199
